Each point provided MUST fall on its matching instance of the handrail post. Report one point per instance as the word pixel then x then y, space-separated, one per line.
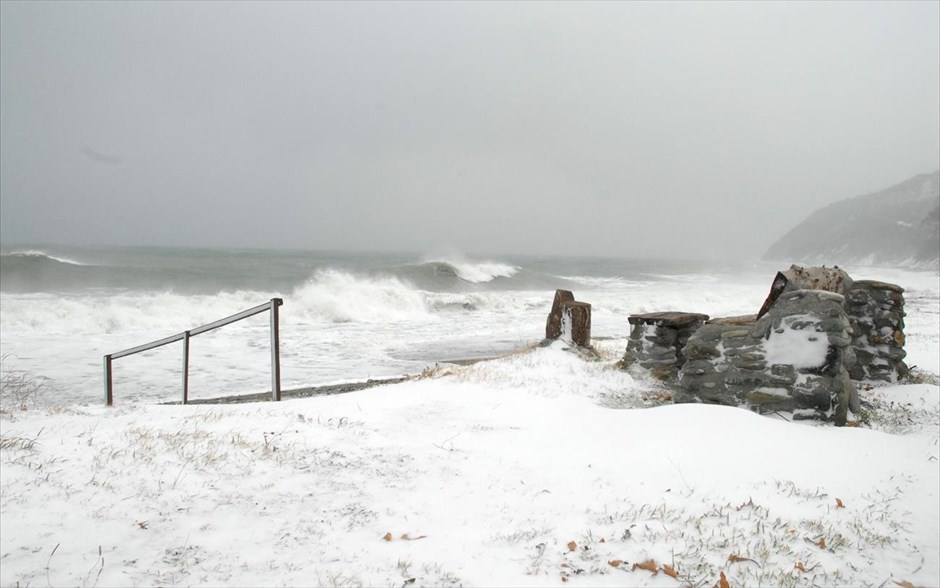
pixel 275 351
pixel 186 335
pixel 108 386
pixel 185 367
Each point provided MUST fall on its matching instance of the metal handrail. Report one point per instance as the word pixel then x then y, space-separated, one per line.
pixel 272 305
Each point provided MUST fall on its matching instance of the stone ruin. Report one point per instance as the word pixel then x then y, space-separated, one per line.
pixel 876 313
pixel 657 341
pixel 569 320
pixel 817 331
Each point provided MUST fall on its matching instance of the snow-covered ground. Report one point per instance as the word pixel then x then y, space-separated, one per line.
pixel 540 468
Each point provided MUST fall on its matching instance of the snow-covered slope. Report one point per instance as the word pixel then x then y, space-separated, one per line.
pixel 537 469
pixel 896 226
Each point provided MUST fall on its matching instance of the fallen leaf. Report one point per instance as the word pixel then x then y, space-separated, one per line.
pixel 648 565
pixel 387 537
pixel 670 571
pixel 572 546
pixel 564 578
pixel 737 558
pixel 799 566
pixel 839 503
pixel 723 582
pixel 409 581
pixel 615 562
pixel 822 543
pixel 602 540
pixel 904 584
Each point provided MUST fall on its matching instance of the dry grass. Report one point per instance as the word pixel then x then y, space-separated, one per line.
pixel 883 413
pixel 746 541
pixel 21 389
pixel 16 443
pixel 919 376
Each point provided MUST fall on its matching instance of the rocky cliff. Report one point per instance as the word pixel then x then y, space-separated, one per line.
pixel 896 226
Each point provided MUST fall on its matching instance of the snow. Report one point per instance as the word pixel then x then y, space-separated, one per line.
pixel 773 391
pixel 801 348
pixel 478 475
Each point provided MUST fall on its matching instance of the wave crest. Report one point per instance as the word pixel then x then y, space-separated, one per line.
pixel 40 257
pixel 341 297
pixel 145 316
pixel 329 296
pixel 474 272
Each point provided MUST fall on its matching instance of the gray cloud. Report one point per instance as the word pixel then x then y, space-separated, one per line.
pixel 535 127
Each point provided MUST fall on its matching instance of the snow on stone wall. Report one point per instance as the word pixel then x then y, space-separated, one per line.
pixel 820 331
pixel 798 347
pixel 657 339
pixel 792 359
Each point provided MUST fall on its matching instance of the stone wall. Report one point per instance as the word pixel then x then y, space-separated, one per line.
pixel 876 313
pixel 816 332
pixel 793 358
pixel 657 340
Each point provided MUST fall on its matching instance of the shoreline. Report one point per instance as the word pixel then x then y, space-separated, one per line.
pixel 322 390
pixel 325 390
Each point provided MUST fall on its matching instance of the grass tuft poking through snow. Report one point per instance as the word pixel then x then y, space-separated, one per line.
pixel 20 390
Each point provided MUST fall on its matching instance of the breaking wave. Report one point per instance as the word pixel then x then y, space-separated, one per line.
pixel 157 314
pixel 453 275
pixel 473 272
pixel 329 296
pixel 204 272
pixel 340 297
pixel 37 256
pixel 33 270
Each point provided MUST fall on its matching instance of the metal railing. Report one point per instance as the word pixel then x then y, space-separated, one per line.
pixel 184 337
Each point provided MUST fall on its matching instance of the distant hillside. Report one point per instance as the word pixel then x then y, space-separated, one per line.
pixel 897 226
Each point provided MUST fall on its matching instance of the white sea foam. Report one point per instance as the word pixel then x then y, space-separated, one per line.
pixel 330 296
pixel 159 314
pixel 601 282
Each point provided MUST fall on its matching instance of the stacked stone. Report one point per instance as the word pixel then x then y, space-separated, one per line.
pixel 876 312
pixel 727 360
pixel 724 363
pixel 816 332
pixel 657 340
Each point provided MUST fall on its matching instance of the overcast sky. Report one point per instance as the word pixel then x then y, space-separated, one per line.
pixel 622 129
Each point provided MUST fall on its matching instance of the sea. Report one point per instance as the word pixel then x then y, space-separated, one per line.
pixel 346 316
